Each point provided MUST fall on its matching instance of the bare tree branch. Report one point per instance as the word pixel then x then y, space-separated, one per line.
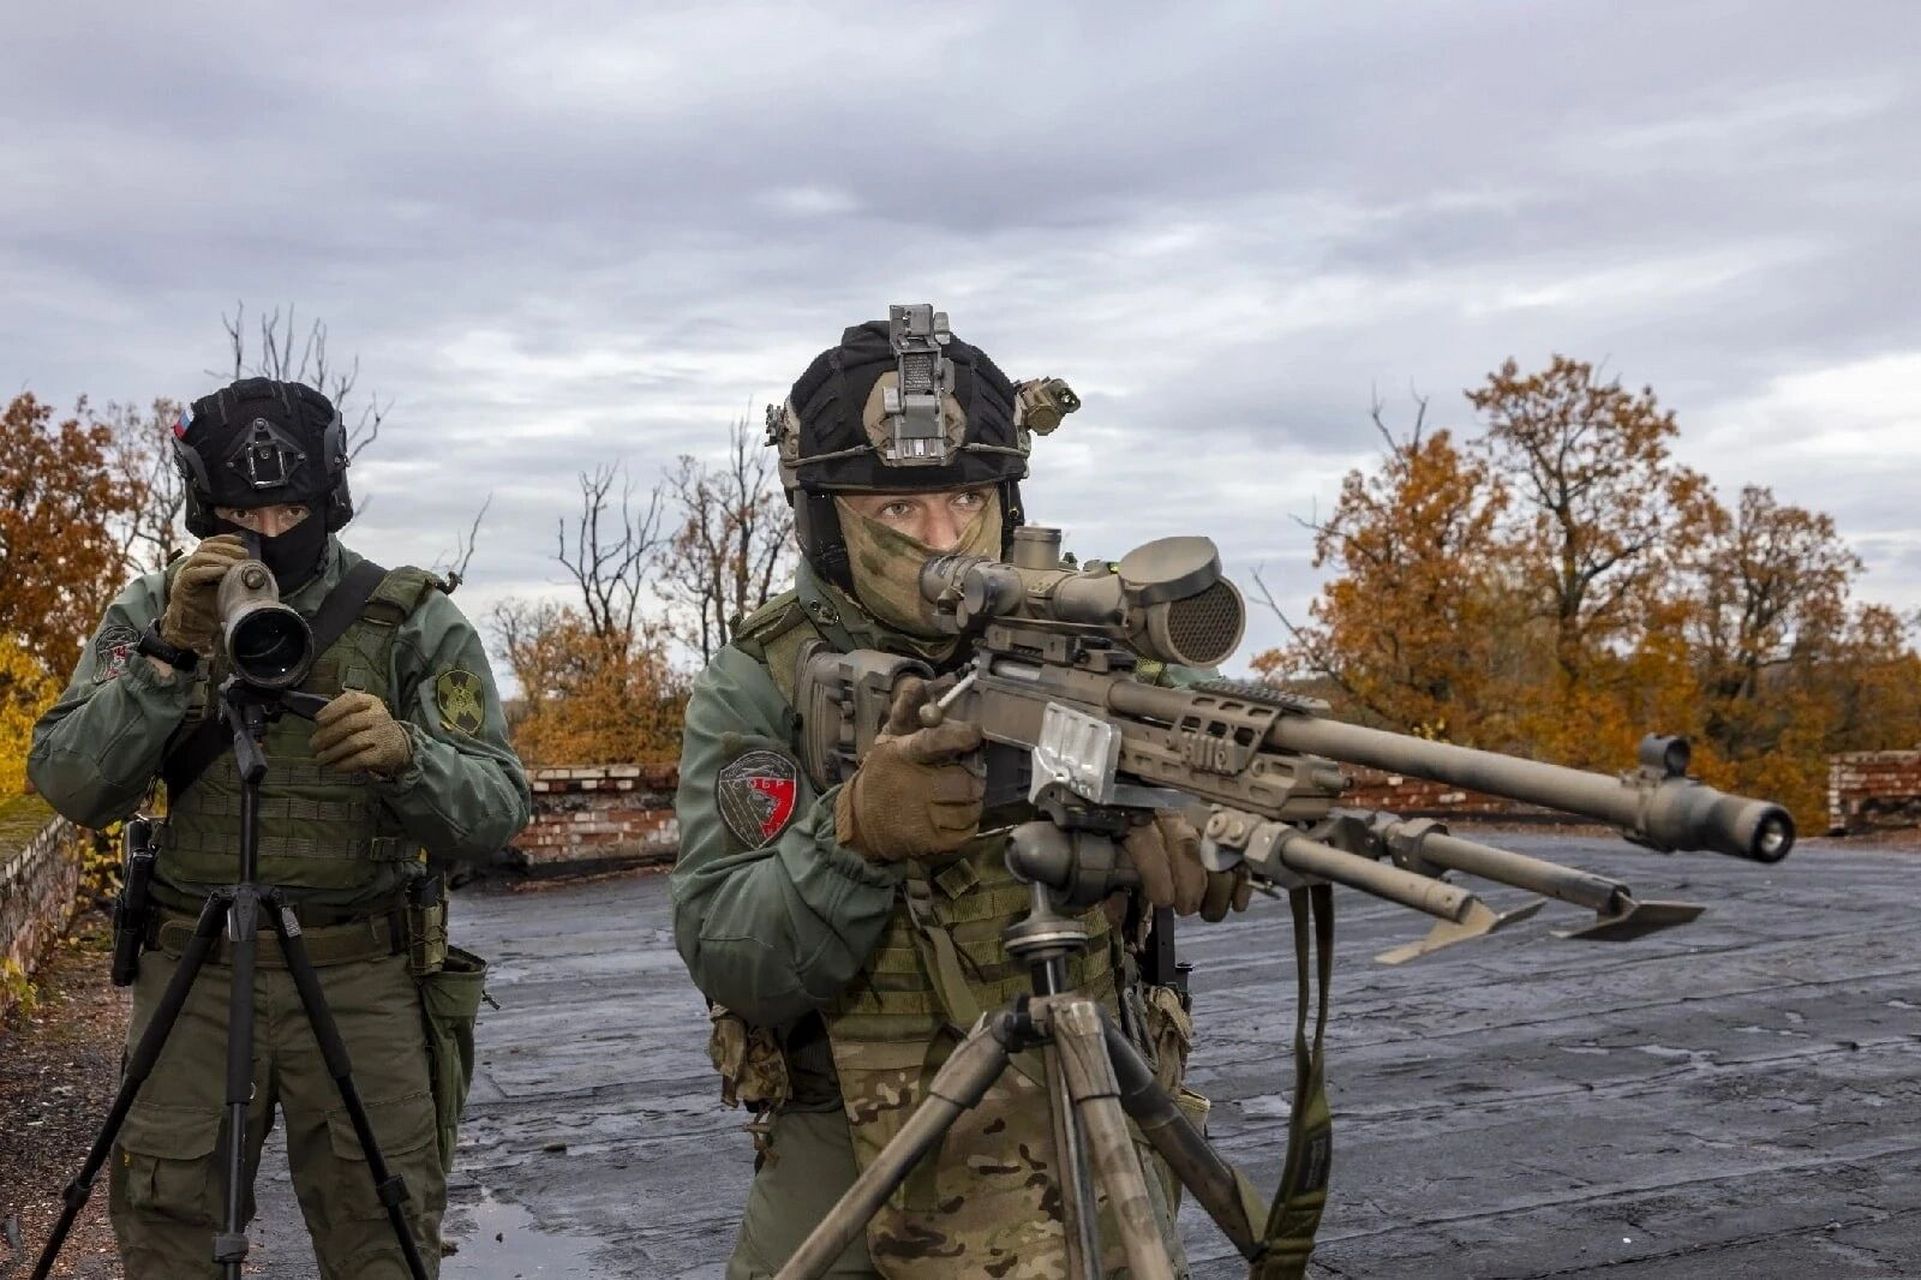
pixel 609 551
pixel 281 351
pixel 454 566
pixel 733 542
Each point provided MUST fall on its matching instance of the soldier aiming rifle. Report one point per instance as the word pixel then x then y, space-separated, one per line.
pixel 933 807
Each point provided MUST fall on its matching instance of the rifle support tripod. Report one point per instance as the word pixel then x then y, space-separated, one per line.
pixel 1096 1080
pixel 244 907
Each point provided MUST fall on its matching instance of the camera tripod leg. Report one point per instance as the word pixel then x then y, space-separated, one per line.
pixel 390 1188
pixel 1078 1206
pixel 140 1064
pixel 1174 1138
pixel 959 1085
pixel 1076 1025
pixel 243 934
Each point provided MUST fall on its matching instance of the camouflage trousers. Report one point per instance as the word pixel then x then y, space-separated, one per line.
pixel 167 1178
pixel 810 1163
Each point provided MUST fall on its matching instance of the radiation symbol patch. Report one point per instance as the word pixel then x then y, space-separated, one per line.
pixel 111 650
pixel 460 697
pixel 757 794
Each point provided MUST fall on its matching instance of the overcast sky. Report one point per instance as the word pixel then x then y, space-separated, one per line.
pixel 557 239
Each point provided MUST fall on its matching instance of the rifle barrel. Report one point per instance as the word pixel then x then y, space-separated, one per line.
pixel 1668 813
pixel 1673 813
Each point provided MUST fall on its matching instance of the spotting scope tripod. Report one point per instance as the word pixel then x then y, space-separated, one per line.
pixel 244 908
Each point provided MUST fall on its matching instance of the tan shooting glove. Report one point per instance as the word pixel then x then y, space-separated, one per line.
pixel 192 619
pixel 356 732
pixel 1166 852
pixel 912 797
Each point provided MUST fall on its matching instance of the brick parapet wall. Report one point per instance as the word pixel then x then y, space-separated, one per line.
pixel 600 816
pixel 1874 791
pixel 40 860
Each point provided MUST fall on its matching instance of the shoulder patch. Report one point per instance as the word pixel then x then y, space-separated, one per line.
pixel 757 794
pixel 459 694
pixel 111 650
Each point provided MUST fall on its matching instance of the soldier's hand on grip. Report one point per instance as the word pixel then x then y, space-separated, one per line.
pixel 356 732
pixel 1166 853
pixel 192 618
pixel 912 796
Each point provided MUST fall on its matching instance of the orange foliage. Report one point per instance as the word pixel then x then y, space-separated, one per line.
pixel 588 698
pixel 60 557
pixel 1562 586
pixel 26 690
pixel 1406 629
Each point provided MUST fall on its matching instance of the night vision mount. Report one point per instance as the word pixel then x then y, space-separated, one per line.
pixel 912 408
pixel 265 456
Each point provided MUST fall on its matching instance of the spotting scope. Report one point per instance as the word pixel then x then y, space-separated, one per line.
pixel 267 644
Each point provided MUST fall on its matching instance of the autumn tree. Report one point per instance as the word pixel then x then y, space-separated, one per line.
pixel 60 559
pixel 27 688
pixel 597 683
pixel 1405 629
pixel 151 531
pixel 1601 516
pixel 584 701
pixel 1560 586
pixel 1788 669
pixel 733 544
pixel 1601 498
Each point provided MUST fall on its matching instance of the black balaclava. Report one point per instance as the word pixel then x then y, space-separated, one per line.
pixel 296 556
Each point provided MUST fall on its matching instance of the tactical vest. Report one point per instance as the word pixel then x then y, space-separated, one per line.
pixel 319 828
pixel 988 1197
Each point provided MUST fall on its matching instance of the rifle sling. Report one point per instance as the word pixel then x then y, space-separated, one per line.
pixel 1295 1215
pixel 209 740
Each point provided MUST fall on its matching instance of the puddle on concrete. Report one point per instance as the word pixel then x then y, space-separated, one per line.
pixel 523 1250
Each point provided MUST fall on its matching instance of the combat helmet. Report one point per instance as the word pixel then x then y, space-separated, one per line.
pixel 902 405
pixel 259 442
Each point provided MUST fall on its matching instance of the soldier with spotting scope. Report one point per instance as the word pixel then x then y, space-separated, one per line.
pixel 848 935
pixel 407 760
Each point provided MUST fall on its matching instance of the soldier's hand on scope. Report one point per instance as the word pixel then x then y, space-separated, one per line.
pixel 912 796
pixel 357 733
pixel 1166 853
pixel 192 619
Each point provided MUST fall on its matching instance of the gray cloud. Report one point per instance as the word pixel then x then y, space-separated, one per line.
pixel 559 239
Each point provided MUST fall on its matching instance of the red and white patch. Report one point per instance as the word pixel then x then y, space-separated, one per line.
pixel 113 648
pixel 757 794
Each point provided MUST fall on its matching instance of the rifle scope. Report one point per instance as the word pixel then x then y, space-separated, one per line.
pixel 266 643
pixel 1166 600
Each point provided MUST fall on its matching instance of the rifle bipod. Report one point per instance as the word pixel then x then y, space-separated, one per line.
pixel 242 909
pixel 1096 1080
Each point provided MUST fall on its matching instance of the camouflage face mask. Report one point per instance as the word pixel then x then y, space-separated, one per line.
pixel 886 564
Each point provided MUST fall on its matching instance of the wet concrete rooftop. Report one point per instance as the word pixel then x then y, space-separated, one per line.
pixel 1740 1097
